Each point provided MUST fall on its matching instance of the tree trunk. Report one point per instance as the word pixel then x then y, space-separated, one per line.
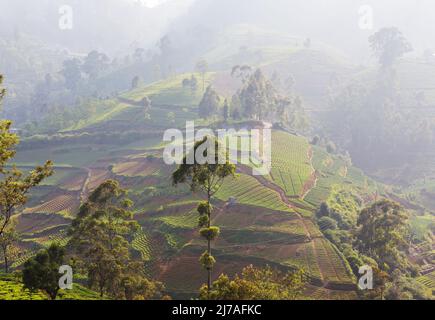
pixel 6 264
pixel 53 295
pixel 209 249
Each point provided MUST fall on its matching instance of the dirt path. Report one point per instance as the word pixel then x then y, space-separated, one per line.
pixel 312 181
pixel 83 192
pixel 322 276
pixel 270 185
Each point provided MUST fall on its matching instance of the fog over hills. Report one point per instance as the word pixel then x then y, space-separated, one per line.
pixel 97 23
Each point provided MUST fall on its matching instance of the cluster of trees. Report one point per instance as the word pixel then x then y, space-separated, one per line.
pixel 92 66
pixel 14 186
pixel 191 84
pixel 376 235
pixel 373 121
pixel 257 99
pixel 99 249
pixel 257 284
pixel 100 234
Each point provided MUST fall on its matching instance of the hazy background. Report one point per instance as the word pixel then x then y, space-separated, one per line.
pixel 115 25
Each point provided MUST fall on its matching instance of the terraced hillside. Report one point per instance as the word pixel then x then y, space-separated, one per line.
pixel 269 223
pixel 428 281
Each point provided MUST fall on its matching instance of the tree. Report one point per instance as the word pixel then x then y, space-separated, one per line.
pixel 166 53
pixel 323 210
pixel 193 84
pixel 327 223
pixel 100 238
pixel 405 288
pixel 202 67
pixel 135 286
pixel 209 104
pixel 389 44
pixel 7 240
pixel 135 82
pixel 185 83
pixel 139 54
pixel 380 280
pixel 307 43
pixel 290 84
pixel 226 111
pixel 95 62
pixel 42 271
pixel 383 232
pixel 208 178
pixel 258 284
pixel 291 113
pixel 14 185
pixel 72 73
pixel 2 90
pixel 146 103
pixel 242 72
pixel 258 97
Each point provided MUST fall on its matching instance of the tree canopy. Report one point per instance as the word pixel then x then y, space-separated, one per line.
pixel 258 284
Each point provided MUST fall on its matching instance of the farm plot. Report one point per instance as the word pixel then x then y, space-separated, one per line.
pixel 332 266
pixel 319 293
pixel 328 175
pixel 10 289
pixel 428 280
pixel 143 244
pixel 169 92
pixel 247 190
pixel 36 244
pixel 290 164
pixel 134 168
pixel 186 220
pixel 331 171
pixel 66 204
pixel 74 182
pixel 293 255
pixel 244 216
pixel 60 238
pixel 97 177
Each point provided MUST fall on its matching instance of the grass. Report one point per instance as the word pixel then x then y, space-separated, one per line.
pixel 11 288
pixel 170 91
pixel 71 156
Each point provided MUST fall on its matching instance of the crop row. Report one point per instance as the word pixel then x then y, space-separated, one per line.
pixel 247 190
pixel 332 266
pixel 142 243
pixel 290 163
pixel 66 203
pixel 428 280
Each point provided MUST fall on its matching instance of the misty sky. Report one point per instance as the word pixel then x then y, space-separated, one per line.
pixel 114 25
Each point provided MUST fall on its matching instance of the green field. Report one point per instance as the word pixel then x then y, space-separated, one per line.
pixel 11 288
pixel 247 190
pixel 291 166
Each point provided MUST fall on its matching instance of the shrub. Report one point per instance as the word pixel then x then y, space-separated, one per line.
pixel 327 223
pixel 210 233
